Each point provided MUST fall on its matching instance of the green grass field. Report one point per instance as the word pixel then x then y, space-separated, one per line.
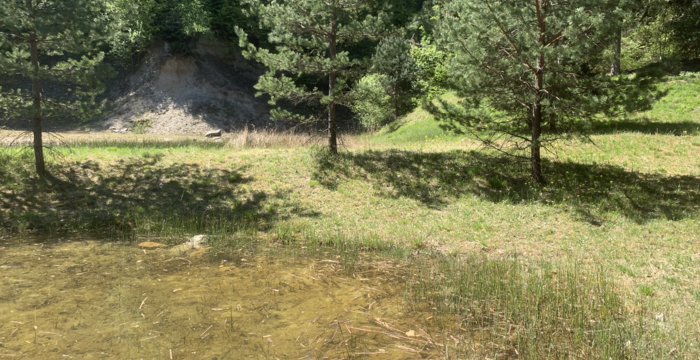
pixel 626 205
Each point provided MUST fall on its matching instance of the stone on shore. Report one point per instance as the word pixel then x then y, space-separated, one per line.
pixel 213 134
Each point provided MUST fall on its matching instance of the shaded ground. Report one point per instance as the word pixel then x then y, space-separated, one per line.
pixel 437 179
pixel 136 193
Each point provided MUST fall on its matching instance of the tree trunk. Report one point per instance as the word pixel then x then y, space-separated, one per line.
pixel 396 102
pixel 36 96
pixel 332 128
pixel 536 126
pixel 552 124
pixel 615 69
pixel 535 153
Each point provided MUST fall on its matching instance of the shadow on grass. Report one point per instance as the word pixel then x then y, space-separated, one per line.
pixel 646 127
pixel 137 195
pixel 590 191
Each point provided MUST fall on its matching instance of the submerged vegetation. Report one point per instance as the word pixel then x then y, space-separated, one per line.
pixel 303 301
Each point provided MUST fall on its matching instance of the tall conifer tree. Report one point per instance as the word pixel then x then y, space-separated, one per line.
pixel 522 69
pixel 51 40
pixel 310 38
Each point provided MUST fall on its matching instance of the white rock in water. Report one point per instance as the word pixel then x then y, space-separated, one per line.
pixel 197 241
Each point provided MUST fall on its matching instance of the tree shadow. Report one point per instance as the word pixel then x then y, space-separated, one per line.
pixel 142 195
pixel 589 191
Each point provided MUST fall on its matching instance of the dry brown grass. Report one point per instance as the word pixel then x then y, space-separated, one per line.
pixel 246 139
pixel 266 139
pixel 269 139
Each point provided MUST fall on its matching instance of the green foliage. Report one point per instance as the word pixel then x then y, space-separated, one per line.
pixel 661 31
pixel 684 26
pixel 393 60
pixel 310 38
pixel 400 12
pixel 646 290
pixel 68 34
pixel 511 87
pixel 689 74
pixel 302 43
pixel 430 60
pixel 133 28
pixel 373 104
pixel 226 15
pixel 179 22
pixel 646 36
pixel 142 125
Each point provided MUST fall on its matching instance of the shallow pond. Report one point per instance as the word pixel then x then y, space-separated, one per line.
pixel 95 300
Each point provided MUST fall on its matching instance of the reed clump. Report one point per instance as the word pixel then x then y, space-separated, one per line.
pixel 510 309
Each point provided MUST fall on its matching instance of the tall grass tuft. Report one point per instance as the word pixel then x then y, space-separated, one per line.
pixel 271 139
pixel 508 309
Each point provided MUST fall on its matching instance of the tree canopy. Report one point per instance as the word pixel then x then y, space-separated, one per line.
pixel 50 40
pixel 311 38
pixel 523 71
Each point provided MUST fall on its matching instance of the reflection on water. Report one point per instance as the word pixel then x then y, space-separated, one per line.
pixel 90 300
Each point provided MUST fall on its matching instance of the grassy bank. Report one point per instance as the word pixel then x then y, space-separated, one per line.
pixel 626 205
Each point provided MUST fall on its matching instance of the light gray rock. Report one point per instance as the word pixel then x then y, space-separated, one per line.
pixel 195 243
pixel 198 241
pixel 213 134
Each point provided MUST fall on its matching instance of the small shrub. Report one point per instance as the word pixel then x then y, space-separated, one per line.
pixel 373 103
pixel 646 290
pixel 690 74
pixel 496 183
pixel 142 125
pixel 234 178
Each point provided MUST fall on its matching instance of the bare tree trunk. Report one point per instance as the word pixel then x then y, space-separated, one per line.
pixel 536 126
pixel 332 127
pixel 36 96
pixel 535 153
pixel 616 69
pixel 552 124
pixel 396 102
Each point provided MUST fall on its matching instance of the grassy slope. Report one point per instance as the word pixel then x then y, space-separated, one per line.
pixel 628 204
pixel 418 126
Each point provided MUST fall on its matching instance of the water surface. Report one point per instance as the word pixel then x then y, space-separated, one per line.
pixel 95 300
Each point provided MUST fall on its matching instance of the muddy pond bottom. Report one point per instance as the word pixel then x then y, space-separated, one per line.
pixel 91 300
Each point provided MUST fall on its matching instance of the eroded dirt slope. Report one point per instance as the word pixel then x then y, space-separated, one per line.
pixel 176 94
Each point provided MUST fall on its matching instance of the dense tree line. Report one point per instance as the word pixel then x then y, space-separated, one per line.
pixel 526 73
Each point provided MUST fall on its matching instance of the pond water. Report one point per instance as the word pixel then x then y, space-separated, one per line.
pixel 96 300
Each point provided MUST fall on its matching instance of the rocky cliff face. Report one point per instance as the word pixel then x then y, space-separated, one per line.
pixel 176 94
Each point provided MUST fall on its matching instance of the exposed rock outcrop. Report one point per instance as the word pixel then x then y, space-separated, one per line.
pixel 209 90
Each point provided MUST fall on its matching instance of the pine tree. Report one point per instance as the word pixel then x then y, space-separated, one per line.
pixel 311 38
pixel 523 72
pixel 51 40
pixel 393 59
